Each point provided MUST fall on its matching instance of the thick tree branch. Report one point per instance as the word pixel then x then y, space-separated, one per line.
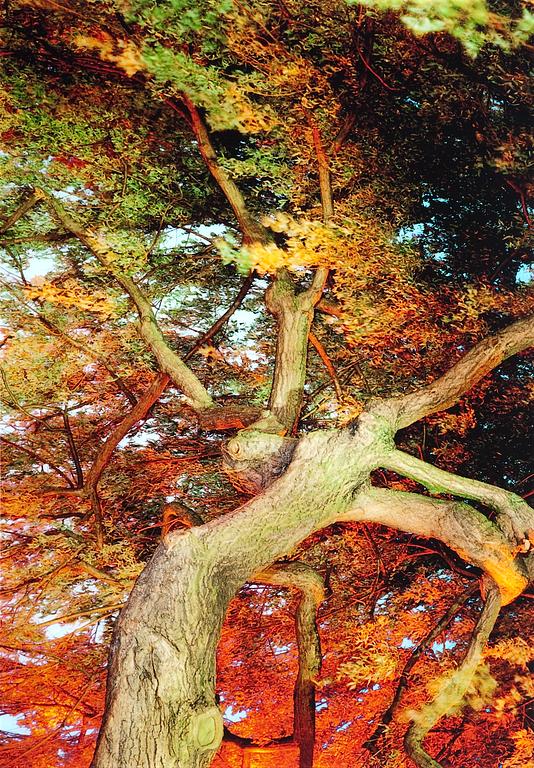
pixel 170 363
pixel 466 531
pixel 455 688
pixel 514 516
pixel 470 369
pixel 311 585
pixel 294 314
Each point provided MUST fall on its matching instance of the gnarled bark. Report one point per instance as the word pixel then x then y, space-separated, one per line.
pixel 174 615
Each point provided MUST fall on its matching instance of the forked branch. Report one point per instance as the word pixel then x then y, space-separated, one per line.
pixel 514 516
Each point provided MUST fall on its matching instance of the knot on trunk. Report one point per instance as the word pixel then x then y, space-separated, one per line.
pixel 254 459
pixel 207 729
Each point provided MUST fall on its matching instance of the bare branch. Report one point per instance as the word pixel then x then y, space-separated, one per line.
pixel 327 364
pixel 470 369
pixel 170 363
pixel 73 449
pixel 138 412
pixel 216 327
pixel 454 690
pixel 515 516
pixel 252 230
pixel 40 460
pixel 462 528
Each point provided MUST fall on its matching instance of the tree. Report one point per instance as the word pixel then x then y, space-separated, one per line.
pixel 364 190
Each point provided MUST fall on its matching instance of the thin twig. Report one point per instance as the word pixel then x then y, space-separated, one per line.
pixel 327 364
pixel 216 327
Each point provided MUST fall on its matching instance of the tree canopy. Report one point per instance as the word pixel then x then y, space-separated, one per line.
pixel 265 321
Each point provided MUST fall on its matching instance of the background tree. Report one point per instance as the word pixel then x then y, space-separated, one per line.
pixel 290 222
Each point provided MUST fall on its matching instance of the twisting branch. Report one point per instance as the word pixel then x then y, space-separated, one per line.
pixel 470 369
pixel 372 742
pixel 514 516
pixel 293 575
pixel 460 527
pixel 454 690
pixel 169 362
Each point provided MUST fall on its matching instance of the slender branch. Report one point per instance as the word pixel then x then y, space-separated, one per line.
pixel 138 412
pixel 320 277
pixel 454 690
pixel 89 489
pixel 170 363
pixel 39 459
pixel 73 449
pixel 89 352
pixel 372 742
pixel 57 331
pixel 216 327
pixel 96 511
pixel 325 186
pixel 327 364
pixel 23 208
pixel 470 369
pixel 252 230
pixel 77 614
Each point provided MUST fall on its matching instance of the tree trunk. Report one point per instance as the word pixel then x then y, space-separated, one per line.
pixel 160 709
